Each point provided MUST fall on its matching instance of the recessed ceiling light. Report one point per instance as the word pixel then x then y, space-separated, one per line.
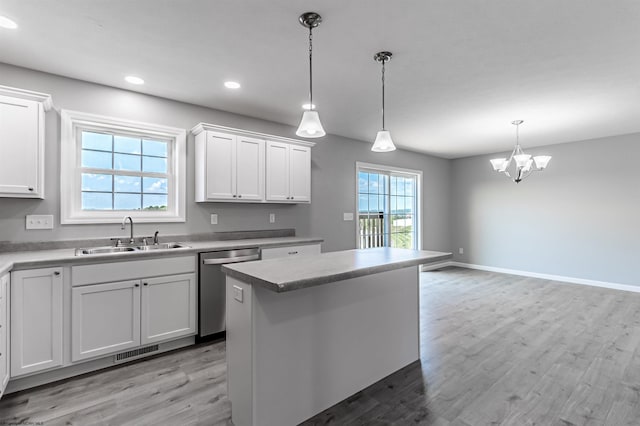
pixel 231 84
pixel 133 79
pixel 308 106
pixel 7 23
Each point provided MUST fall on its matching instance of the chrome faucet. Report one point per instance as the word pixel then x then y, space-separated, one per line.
pixel 124 222
pixel 155 238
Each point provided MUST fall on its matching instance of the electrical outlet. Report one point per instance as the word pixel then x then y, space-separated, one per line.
pixel 237 293
pixel 272 218
pixel 214 219
pixel 44 221
pixel 460 250
pixel 347 216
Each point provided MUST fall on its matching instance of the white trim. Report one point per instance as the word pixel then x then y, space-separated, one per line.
pixel 398 170
pixel 558 278
pixel 30 95
pixel 201 127
pixel 70 212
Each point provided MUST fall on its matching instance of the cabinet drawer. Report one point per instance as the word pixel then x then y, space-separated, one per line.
pixel 272 253
pixel 132 269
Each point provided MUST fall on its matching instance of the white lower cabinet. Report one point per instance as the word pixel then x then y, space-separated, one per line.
pixel 168 308
pixel 112 317
pixel 275 252
pixel 36 320
pixel 105 318
pixel 4 335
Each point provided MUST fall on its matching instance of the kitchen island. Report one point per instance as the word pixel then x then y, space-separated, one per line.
pixel 308 332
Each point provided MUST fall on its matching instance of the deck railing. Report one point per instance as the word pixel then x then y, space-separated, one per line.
pixel 371 229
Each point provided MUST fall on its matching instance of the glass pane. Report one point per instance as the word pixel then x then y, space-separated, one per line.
pixel 126 201
pixel 363 182
pixel 363 203
pixel 383 181
pixel 154 164
pixel 382 203
pixel 97 141
pixel 126 145
pixel 154 202
pixel 409 187
pixel 96 159
pixel 155 148
pixel 96 201
pixel 393 185
pixel 394 205
pixel 373 183
pixel 127 183
pixel 158 185
pixel 96 182
pixel 373 203
pixel 126 162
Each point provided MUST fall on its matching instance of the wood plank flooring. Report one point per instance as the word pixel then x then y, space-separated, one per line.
pixel 495 350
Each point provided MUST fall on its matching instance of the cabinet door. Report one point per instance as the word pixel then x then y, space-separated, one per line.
pixel 20 148
pixel 250 169
pixel 105 318
pixel 220 166
pixel 277 171
pixel 300 173
pixel 275 252
pixel 36 320
pixel 168 308
pixel 4 335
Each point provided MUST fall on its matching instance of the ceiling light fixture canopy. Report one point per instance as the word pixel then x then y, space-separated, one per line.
pixel 383 142
pixel 519 165
pixel 310 125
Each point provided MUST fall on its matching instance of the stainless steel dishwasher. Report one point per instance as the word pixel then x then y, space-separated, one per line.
pixel 211 287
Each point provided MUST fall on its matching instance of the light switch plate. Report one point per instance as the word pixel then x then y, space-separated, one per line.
pixel 272 218
pixel 347 216
pixel 44 221
pixel 237 293
pixel 214 219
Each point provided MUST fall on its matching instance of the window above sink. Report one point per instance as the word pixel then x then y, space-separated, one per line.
pixel 113 166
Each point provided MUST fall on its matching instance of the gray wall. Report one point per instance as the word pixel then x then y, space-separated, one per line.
pixel 580 218
pixel 333 172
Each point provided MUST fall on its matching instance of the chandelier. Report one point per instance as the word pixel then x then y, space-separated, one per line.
pixel 519 165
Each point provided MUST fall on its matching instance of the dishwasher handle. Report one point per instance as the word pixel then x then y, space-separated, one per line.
pixel 231 260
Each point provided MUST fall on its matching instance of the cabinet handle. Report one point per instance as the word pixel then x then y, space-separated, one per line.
pixel 136 285
pixel 234 195
pixel 56 273
pixel 293 252
pixel 145 283
pixel 30 189
pixel 292 198
pixel 240 196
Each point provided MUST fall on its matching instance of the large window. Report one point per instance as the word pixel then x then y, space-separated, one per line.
pixel 388 206
pixel 114 167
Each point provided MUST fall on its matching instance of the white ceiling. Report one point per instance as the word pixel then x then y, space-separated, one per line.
pixel 461 70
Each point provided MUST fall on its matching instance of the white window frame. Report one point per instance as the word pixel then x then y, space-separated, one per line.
pixel 369 167
pixel 73 122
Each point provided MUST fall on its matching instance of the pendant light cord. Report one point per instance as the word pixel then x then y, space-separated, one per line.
pixel 383 61
pixel 310 69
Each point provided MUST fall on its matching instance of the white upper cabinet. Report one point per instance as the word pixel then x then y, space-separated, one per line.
pixel 4 332
pixel 232 166
pixel 288 173
pixel 22 142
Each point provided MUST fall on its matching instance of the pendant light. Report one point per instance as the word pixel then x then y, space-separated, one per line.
pixel 519 165
pixel 310 125
pixel 383 142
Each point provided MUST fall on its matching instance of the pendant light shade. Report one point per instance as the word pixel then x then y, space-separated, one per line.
pixel 310 125
pixel 383 142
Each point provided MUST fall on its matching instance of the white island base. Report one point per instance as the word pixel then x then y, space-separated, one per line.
pixel 291 355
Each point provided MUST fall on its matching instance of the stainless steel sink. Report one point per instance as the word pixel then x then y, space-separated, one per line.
pixel 127 249
pixel 103 250
pixel 162 246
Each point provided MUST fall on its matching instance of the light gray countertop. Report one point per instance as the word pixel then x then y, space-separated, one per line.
pixel 45 258
pixel 286 274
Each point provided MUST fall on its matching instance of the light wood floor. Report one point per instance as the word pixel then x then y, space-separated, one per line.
pixel 496 349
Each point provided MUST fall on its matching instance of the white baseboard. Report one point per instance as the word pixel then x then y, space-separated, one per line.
pixel 558 278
